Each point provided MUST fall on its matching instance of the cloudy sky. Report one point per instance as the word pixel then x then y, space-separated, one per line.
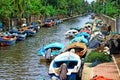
pixel 90 1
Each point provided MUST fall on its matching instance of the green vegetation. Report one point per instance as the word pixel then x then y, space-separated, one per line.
pixel 26 8
pixel 53 8
pixel 107 7
pixel 101 56
pixel 17 9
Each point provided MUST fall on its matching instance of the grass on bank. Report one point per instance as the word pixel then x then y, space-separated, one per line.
pixel 100 56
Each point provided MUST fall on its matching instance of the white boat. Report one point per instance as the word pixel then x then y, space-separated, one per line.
pixel 72 61
pixel 71 33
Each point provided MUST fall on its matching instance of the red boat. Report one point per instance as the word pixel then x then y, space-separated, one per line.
pixel 86 30
pixel 49 23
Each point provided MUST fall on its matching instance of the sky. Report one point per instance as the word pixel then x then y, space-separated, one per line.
pixel 90 1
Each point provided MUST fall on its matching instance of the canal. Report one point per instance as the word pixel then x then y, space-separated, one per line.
pixel 21 62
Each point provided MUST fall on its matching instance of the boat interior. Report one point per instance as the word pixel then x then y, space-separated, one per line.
pixel 70 64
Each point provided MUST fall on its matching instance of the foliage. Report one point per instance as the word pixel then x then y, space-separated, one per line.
pixel 101 56
pixel 5 9
pixel 42 8
pixel 25 8
pixel 108 7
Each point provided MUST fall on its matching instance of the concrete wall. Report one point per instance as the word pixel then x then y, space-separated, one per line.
pixel 118 25
pixel 109 21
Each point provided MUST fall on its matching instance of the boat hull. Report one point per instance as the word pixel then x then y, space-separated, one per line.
pixel 72 61
pixel 80 48
pixel 30 32
pixel 79 39
pixel 5 42
pixel 21 37
pixel 60 47
pixel 73 76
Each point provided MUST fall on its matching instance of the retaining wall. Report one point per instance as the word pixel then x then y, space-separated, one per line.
pixel 109 21
pixel 118 25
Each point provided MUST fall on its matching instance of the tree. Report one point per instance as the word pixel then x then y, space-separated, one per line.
pixel 6 9
pixel 108 7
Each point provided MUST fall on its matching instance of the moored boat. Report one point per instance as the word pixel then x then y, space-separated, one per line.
pixel 7 40
pixel 16 31
pixel 79 39
pixel 28 30
pixel 88 25
pixel 72 61
pixel 71 33
pixel 49 23
pixel 85 34
pixel 21 36
pixel 80 48
pixel 86 30
pixel 37 28
pixel 56 48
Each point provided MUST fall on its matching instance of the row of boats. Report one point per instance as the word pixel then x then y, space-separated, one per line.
pixel 11 37
pixel 71 56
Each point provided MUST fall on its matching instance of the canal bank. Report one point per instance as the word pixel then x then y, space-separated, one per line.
pixel 108 70
pixel 114 23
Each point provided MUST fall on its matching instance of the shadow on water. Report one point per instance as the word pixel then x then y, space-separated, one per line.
pixel 21 62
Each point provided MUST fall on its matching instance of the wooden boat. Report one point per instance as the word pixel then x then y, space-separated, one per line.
pixel 21 36
pixel 86 30
pixel 49 23
pixel 85 34
pixel 18 31
pixel 28 30
pixel 72 61
pixel 88 25
pixel 80 48
pixel 79 39
pixel 7 40
pixel 71 33
pixel 90 22
pixel 56 48
pixel 37 28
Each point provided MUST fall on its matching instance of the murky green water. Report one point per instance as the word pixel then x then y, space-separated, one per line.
pixel 21 62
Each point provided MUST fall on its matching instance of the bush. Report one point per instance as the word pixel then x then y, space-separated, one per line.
pixel 101 56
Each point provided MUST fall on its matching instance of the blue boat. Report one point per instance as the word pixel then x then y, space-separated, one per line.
pixel 15 31
pixel 37 28
pixel 79 39
pixel 56 48
pixel 85 34
pixel 30 32
pixel 36 25
pixel 7 40
pixel 73 63
pixel 21 36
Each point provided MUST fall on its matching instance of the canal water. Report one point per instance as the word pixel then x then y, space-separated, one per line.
pixel 21 62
